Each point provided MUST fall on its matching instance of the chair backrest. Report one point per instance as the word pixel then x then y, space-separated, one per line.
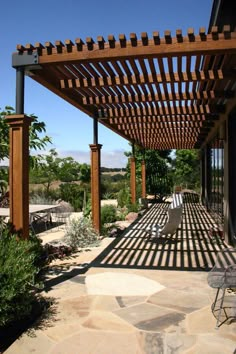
pixel 177 200
pixel 223 274
pixel 173 221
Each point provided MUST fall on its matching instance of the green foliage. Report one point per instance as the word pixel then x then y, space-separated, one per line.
pixel 47 170
pixel 20 265
pixel 74 194
pixel 84 173
pixel 3 187
pixel 158 171
pixel 38 196
pixel 108 214
pixel 53 168
pixel 111 185
pixel 123 197
pixel 80 233
pixel 187 169
pixel 87 208
pixel 133 208
pixel 37 141
pixel 69 169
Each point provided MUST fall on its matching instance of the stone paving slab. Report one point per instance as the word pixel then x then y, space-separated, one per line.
pixel 118 284
pixel 181 300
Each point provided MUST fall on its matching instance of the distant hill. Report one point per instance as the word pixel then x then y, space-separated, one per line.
pixel 113 170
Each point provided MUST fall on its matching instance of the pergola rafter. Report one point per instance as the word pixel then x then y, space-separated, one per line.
pixel 158 92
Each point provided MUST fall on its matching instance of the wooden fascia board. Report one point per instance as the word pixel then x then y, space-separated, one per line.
pixel 152 50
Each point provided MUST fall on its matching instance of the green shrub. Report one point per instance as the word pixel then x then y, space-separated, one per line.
pixel 133 208
pixel 88 208
pixel 42 196
pixel 40 199
pixel 74 194
pixel 123 197
pixel 108 214
pixel 20 265
pixel 80 233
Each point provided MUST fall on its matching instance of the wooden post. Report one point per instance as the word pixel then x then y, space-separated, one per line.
pixel 143 179
pixel 19 173
pixel 133 179
pixel 95 185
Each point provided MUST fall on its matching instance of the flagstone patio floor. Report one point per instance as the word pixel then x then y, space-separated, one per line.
pixel 103 304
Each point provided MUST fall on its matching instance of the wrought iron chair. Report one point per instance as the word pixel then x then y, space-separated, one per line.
pixel 223 277
pixel 38 219
pixel 62 214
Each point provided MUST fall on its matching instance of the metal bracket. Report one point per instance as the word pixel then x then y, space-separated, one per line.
pixel 25 59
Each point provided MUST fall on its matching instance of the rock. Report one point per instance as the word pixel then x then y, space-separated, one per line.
pixel 131 216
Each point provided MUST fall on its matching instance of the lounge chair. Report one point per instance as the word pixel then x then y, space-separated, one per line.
pixel 174 216
pixel 222 277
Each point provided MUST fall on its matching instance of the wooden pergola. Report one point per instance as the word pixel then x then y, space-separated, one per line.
pixel 157 92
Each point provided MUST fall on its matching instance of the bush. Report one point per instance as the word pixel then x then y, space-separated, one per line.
pixel 108 214
pixel 20 265
pixel 80 234
pixel 40 199
pixel 133 208
pixel 42 196
pixel 74 194
pixel 123 197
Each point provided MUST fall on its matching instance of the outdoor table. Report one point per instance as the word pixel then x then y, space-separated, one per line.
pixel 33 209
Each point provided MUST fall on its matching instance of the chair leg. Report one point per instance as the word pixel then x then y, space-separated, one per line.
pixel 215 301
pixel 218 324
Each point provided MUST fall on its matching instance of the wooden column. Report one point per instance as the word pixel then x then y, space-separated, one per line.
pixel 143 167
pixel 133 179
pixel 19 173
pixel 95 185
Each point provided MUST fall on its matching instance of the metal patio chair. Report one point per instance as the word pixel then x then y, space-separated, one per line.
pixel 174 217
pixel 223 277
pixel 37 220
pixel 62 214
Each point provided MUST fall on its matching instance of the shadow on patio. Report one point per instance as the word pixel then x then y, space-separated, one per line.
pixel 192 248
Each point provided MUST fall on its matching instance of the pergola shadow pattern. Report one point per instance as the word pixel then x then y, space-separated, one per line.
pixel 192 248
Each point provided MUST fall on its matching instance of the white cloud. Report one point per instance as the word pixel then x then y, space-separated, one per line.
pixel 112 159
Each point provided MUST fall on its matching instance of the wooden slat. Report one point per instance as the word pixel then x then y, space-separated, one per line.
pixel 133 80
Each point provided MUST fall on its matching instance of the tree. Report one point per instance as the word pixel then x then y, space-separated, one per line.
pixel 46 171
pixel 52 168
pixel 187 169
pixel 69 169
pixel 158 173
pixel 158 170
pixel 37 141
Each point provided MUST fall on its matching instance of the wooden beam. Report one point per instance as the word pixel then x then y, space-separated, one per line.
pixel 223 44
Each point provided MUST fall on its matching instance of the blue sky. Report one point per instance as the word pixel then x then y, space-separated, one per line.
pixel 26 21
